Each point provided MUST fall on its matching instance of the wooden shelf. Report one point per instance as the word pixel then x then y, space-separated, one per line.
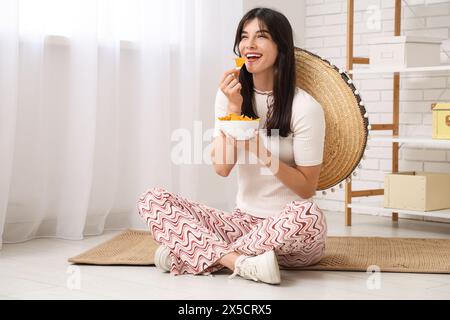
pixel 395 139
pixel 404 70
pixel 379 207
pixel 411 140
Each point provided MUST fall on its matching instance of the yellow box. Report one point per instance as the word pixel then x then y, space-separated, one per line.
pixel 420 191
pixel 441 120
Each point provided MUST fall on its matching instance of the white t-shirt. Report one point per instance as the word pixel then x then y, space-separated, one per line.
pixel 260 193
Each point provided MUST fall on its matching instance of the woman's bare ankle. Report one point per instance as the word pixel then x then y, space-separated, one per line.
pixel 229 259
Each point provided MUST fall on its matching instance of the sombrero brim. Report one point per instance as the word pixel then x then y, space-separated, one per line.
pixel 346 123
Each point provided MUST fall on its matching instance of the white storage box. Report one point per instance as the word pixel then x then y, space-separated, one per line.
pixel 404 51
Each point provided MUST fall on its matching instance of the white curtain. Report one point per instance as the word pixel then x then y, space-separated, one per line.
pixel 91 93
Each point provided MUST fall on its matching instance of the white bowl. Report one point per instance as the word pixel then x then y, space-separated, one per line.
pixel 240 130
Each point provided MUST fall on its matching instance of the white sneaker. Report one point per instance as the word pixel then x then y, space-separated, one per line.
pixel 262 268
pixel 162 258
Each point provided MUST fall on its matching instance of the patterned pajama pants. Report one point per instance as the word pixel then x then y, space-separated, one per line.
pixel 198 236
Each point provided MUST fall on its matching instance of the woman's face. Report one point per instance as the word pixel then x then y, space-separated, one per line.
pixel 258 47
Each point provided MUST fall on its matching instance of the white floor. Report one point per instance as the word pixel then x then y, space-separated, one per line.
pixel 39 269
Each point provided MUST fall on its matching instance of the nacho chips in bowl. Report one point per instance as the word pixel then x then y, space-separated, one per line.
pixel 240 127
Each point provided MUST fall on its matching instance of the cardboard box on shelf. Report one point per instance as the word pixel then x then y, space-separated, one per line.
pixel 419 191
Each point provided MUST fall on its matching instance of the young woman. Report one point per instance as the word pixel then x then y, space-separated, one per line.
pixel 274 221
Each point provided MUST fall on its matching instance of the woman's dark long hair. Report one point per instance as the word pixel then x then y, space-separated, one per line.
pixel 284 69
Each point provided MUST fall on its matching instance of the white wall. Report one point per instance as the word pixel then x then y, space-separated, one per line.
pixel 325 35
pixel 294 10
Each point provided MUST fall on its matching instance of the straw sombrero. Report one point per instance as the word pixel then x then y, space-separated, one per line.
pixel 345 116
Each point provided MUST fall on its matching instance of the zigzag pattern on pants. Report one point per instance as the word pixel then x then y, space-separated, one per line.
pixel 297 235
pixel 198 235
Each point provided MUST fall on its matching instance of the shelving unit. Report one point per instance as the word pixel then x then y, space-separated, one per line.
pixel 395 138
